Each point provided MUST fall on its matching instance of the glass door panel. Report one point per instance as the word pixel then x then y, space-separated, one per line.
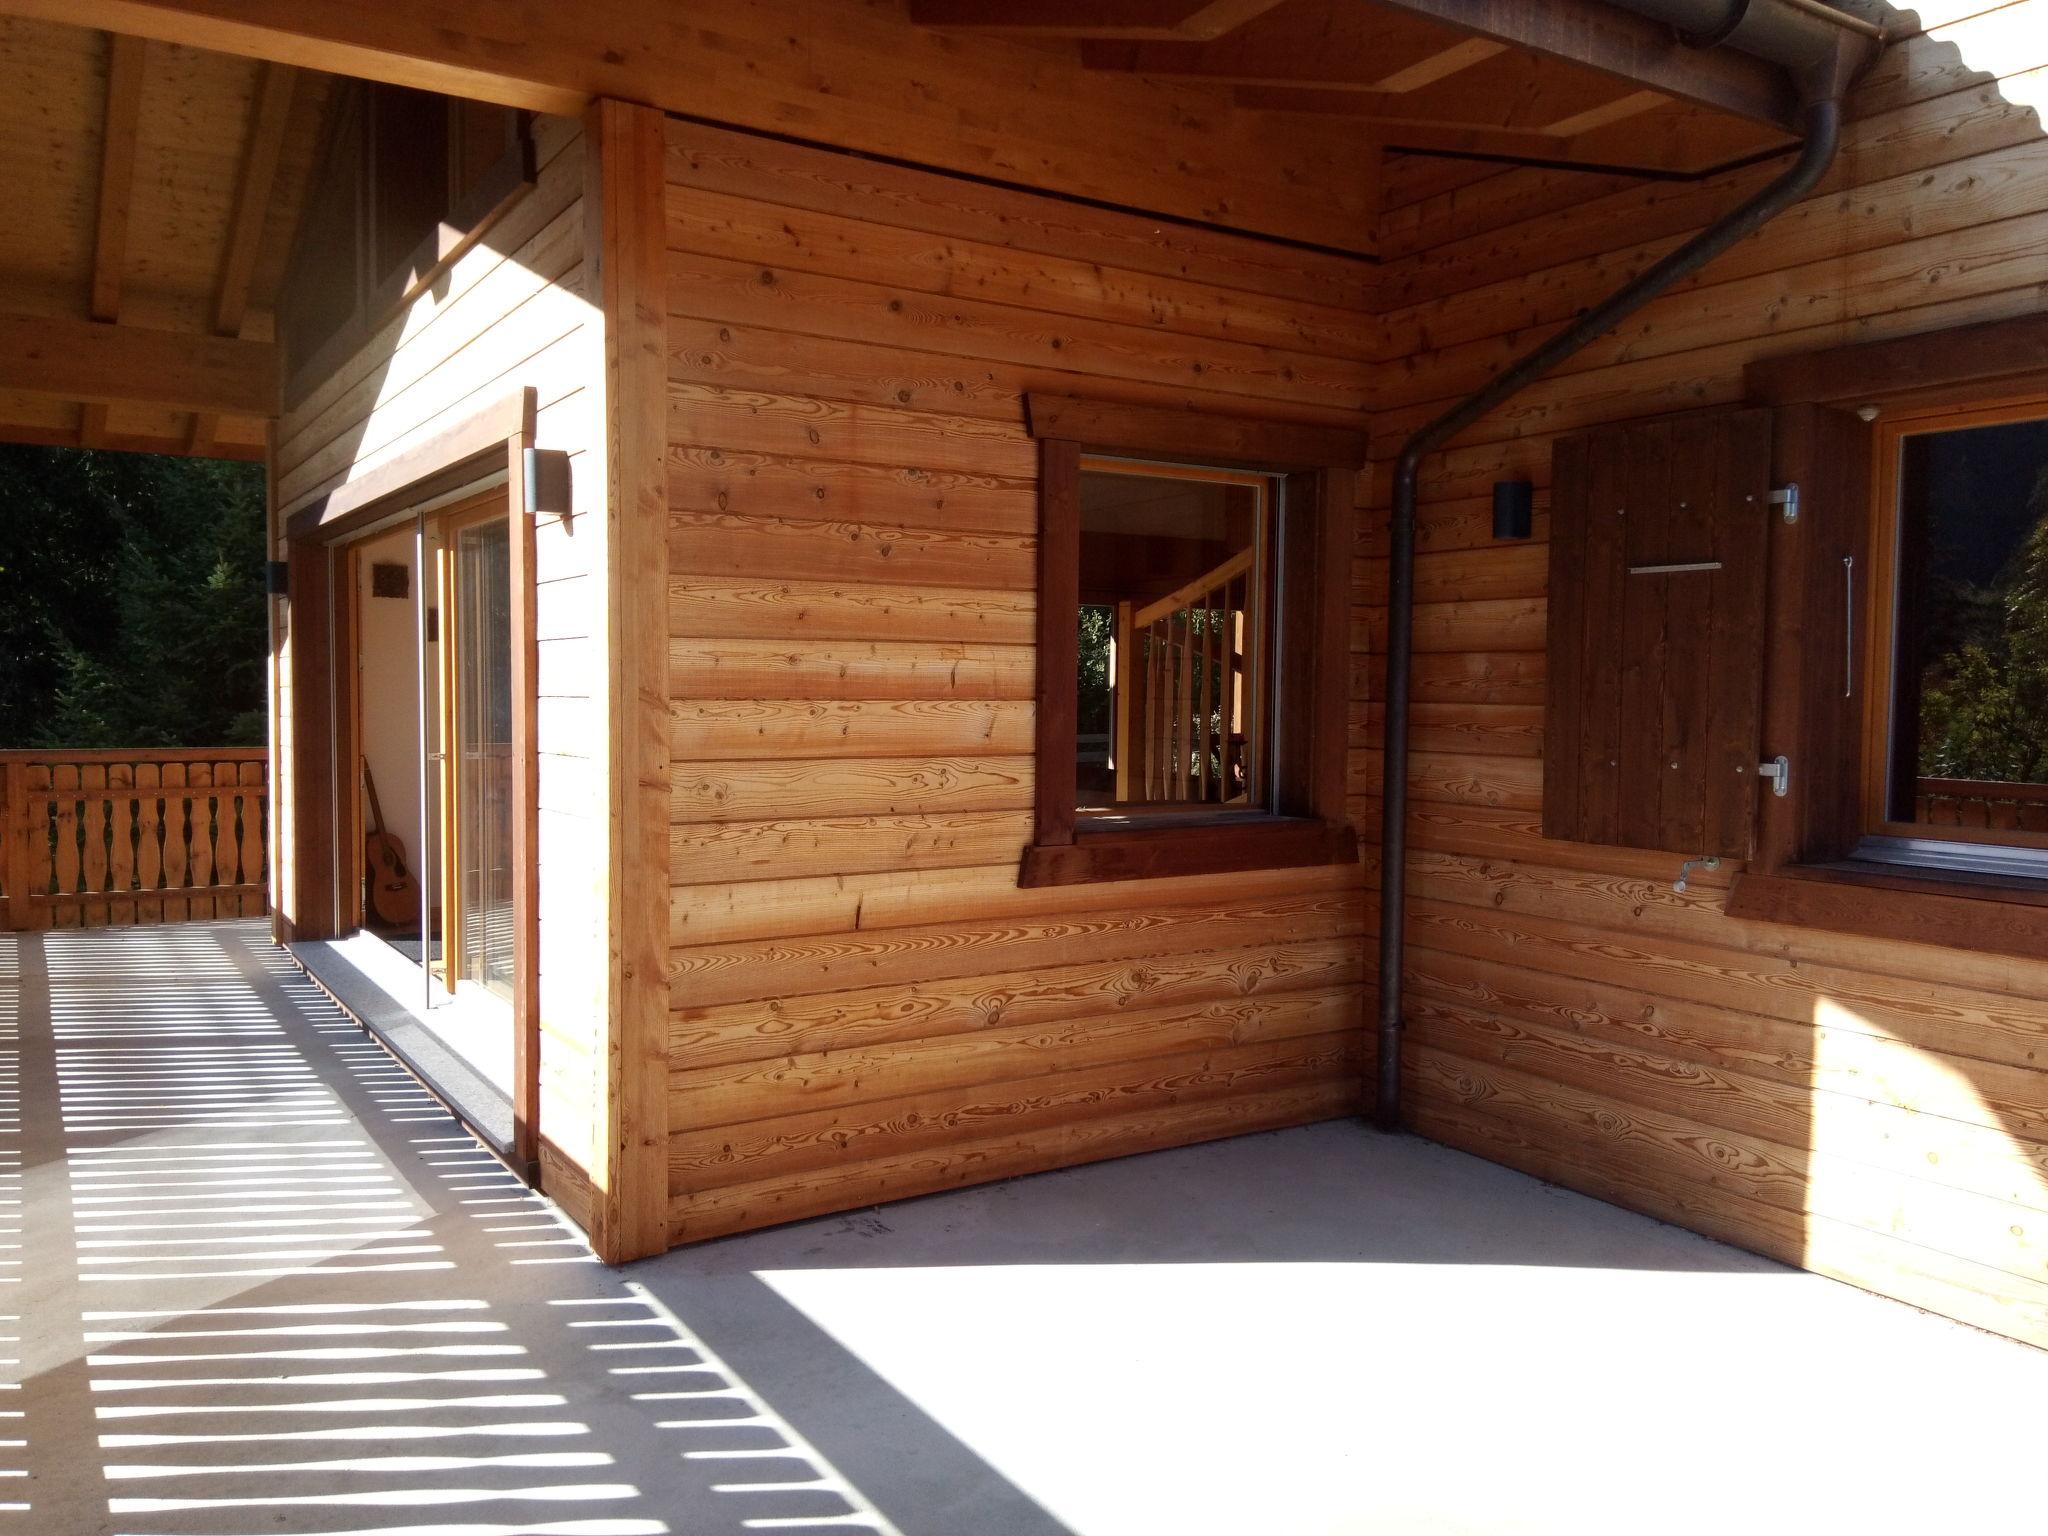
pixel 483 753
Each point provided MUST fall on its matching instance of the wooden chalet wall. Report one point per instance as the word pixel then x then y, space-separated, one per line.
pixel 511 312
pixel 1874 1111
pixel 864 1004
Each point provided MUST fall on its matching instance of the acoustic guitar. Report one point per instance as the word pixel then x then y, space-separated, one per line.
pixel 394 895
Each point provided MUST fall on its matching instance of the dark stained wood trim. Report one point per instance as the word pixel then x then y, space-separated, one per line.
pixel 1335 490
pixel 1564 636
pixel 1215 848
pixel 348 740
pixel 307 908
pixel 1300 587
pixel 1738 626
pixel 525 816
pixel 1655 694
pixel 1310 726
pixel 1162 431
pixel 1059 600
pixel 1806 717
pixel 2008 355
pixel 441 463
pixel 1878 903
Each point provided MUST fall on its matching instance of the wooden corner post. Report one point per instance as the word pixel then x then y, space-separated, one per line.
pixel 625 265
pixel 306 805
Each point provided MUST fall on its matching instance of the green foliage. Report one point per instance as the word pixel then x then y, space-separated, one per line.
pixel 131 600
pixel 1984 704
pixel 1098 630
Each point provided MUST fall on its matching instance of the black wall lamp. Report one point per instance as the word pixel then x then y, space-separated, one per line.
pixel 1514 509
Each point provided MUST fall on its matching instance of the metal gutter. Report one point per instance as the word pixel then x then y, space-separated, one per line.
pixel 1825 53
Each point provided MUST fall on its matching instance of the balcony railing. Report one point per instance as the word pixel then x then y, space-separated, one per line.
pixel 1982 803
pixel 119 837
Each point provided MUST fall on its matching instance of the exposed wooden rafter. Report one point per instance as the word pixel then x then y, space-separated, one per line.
pixel 262 154
pixel 104 364
pixel 1619 110
pixel 1625 46
pixel 1440 65
pixel 260 159
pixel 984 105
pixel 126 58
pixel 1186 21
pixel 1416 62
pixel 125 62
pixel 1402 129
pixel 1471 77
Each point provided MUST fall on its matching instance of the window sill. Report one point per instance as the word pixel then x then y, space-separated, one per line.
pixel 1213 847
pixel 1883 901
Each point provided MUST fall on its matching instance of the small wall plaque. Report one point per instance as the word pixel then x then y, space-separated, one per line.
pixel 390 580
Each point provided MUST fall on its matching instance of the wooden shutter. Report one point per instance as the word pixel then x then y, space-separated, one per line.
pixel 1818 669
pixel 1658 559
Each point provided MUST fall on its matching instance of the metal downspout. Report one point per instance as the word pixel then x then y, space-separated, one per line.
pixel 1822 120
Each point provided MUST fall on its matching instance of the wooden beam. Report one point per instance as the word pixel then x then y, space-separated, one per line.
pixel 1341 49
pixel 1440 66
pixel 1624 45
pixel 43 436
pixel 262 152
pixel 117 174
pixel 1179 21
pixel 343 37
pixel 1620 109
pixel 120 130
pixel 834 73
pixel 1564 143
pixel 625 229
pixel 125 364
pixel 1309 72
pixel 1400 129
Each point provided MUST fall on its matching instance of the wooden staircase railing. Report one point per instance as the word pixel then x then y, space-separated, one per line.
pixel 129 836
pixel 1186 690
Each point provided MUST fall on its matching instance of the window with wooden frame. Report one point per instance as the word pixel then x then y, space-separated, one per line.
pixel 1174 636
pixel 1193 642
pixel 1956 743
pixel 1908 676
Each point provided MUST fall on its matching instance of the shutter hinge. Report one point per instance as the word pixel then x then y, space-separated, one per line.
pixel 1779 771
pixel 1788 498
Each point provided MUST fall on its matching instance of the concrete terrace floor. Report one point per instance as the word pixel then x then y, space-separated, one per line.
pixel 261 1283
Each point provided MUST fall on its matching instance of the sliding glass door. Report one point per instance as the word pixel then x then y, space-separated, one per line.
pixel 474 750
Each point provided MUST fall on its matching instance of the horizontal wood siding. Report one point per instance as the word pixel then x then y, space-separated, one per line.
pixel 1873 1111
pixel 512 313
pixel 864 1003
